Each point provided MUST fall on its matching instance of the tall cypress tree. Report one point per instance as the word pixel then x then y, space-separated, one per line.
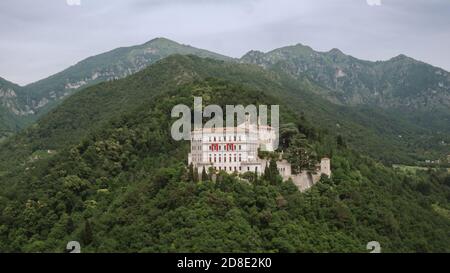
pixel 273 170
pixel 204 174
pixel 266 173
pixel 195 179
pixel 70 226
pixel 86 235
pixel 191 172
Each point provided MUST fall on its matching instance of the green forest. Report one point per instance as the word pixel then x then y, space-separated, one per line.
pixel 102 169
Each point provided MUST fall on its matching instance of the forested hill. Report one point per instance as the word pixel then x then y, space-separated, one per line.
pixel 367 131
pixel 102 169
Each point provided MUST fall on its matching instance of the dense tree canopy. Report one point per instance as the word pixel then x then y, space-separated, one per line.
pixel 125 187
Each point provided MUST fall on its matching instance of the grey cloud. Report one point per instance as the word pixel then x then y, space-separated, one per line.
pixel 40 38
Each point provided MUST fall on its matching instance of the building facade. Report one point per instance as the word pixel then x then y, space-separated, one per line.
pixel 235 149
pixel 231 149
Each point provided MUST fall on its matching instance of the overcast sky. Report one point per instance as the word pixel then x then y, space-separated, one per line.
pixel 41 37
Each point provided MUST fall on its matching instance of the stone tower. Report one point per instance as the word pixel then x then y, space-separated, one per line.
pixel 325 166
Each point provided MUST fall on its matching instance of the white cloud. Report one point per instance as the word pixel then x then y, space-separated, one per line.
pixel 374 2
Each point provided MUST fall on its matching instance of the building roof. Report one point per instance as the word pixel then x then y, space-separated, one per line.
pixel 239 128
pixel 219 130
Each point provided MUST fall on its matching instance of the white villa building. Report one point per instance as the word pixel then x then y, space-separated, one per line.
pixel 235 149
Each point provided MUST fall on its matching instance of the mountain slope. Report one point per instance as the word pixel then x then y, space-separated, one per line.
pixel 411 97
pixel 400 82
pixel 119 183
pixel 12 107
pixel 41 96
pixel 108 66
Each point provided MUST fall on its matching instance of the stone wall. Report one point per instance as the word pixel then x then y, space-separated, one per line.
pixel 307 179
pixel 303 181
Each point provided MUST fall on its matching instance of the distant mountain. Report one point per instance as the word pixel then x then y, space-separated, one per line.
pixel 12 107
pixel 409 97
pixel 22 105
pixel 399 83
pixel 10 96
pixel 112 65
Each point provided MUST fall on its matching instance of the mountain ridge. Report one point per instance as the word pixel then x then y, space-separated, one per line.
pixel 311 71
pixel 355 81
pixel 41 96
pixel 114 64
